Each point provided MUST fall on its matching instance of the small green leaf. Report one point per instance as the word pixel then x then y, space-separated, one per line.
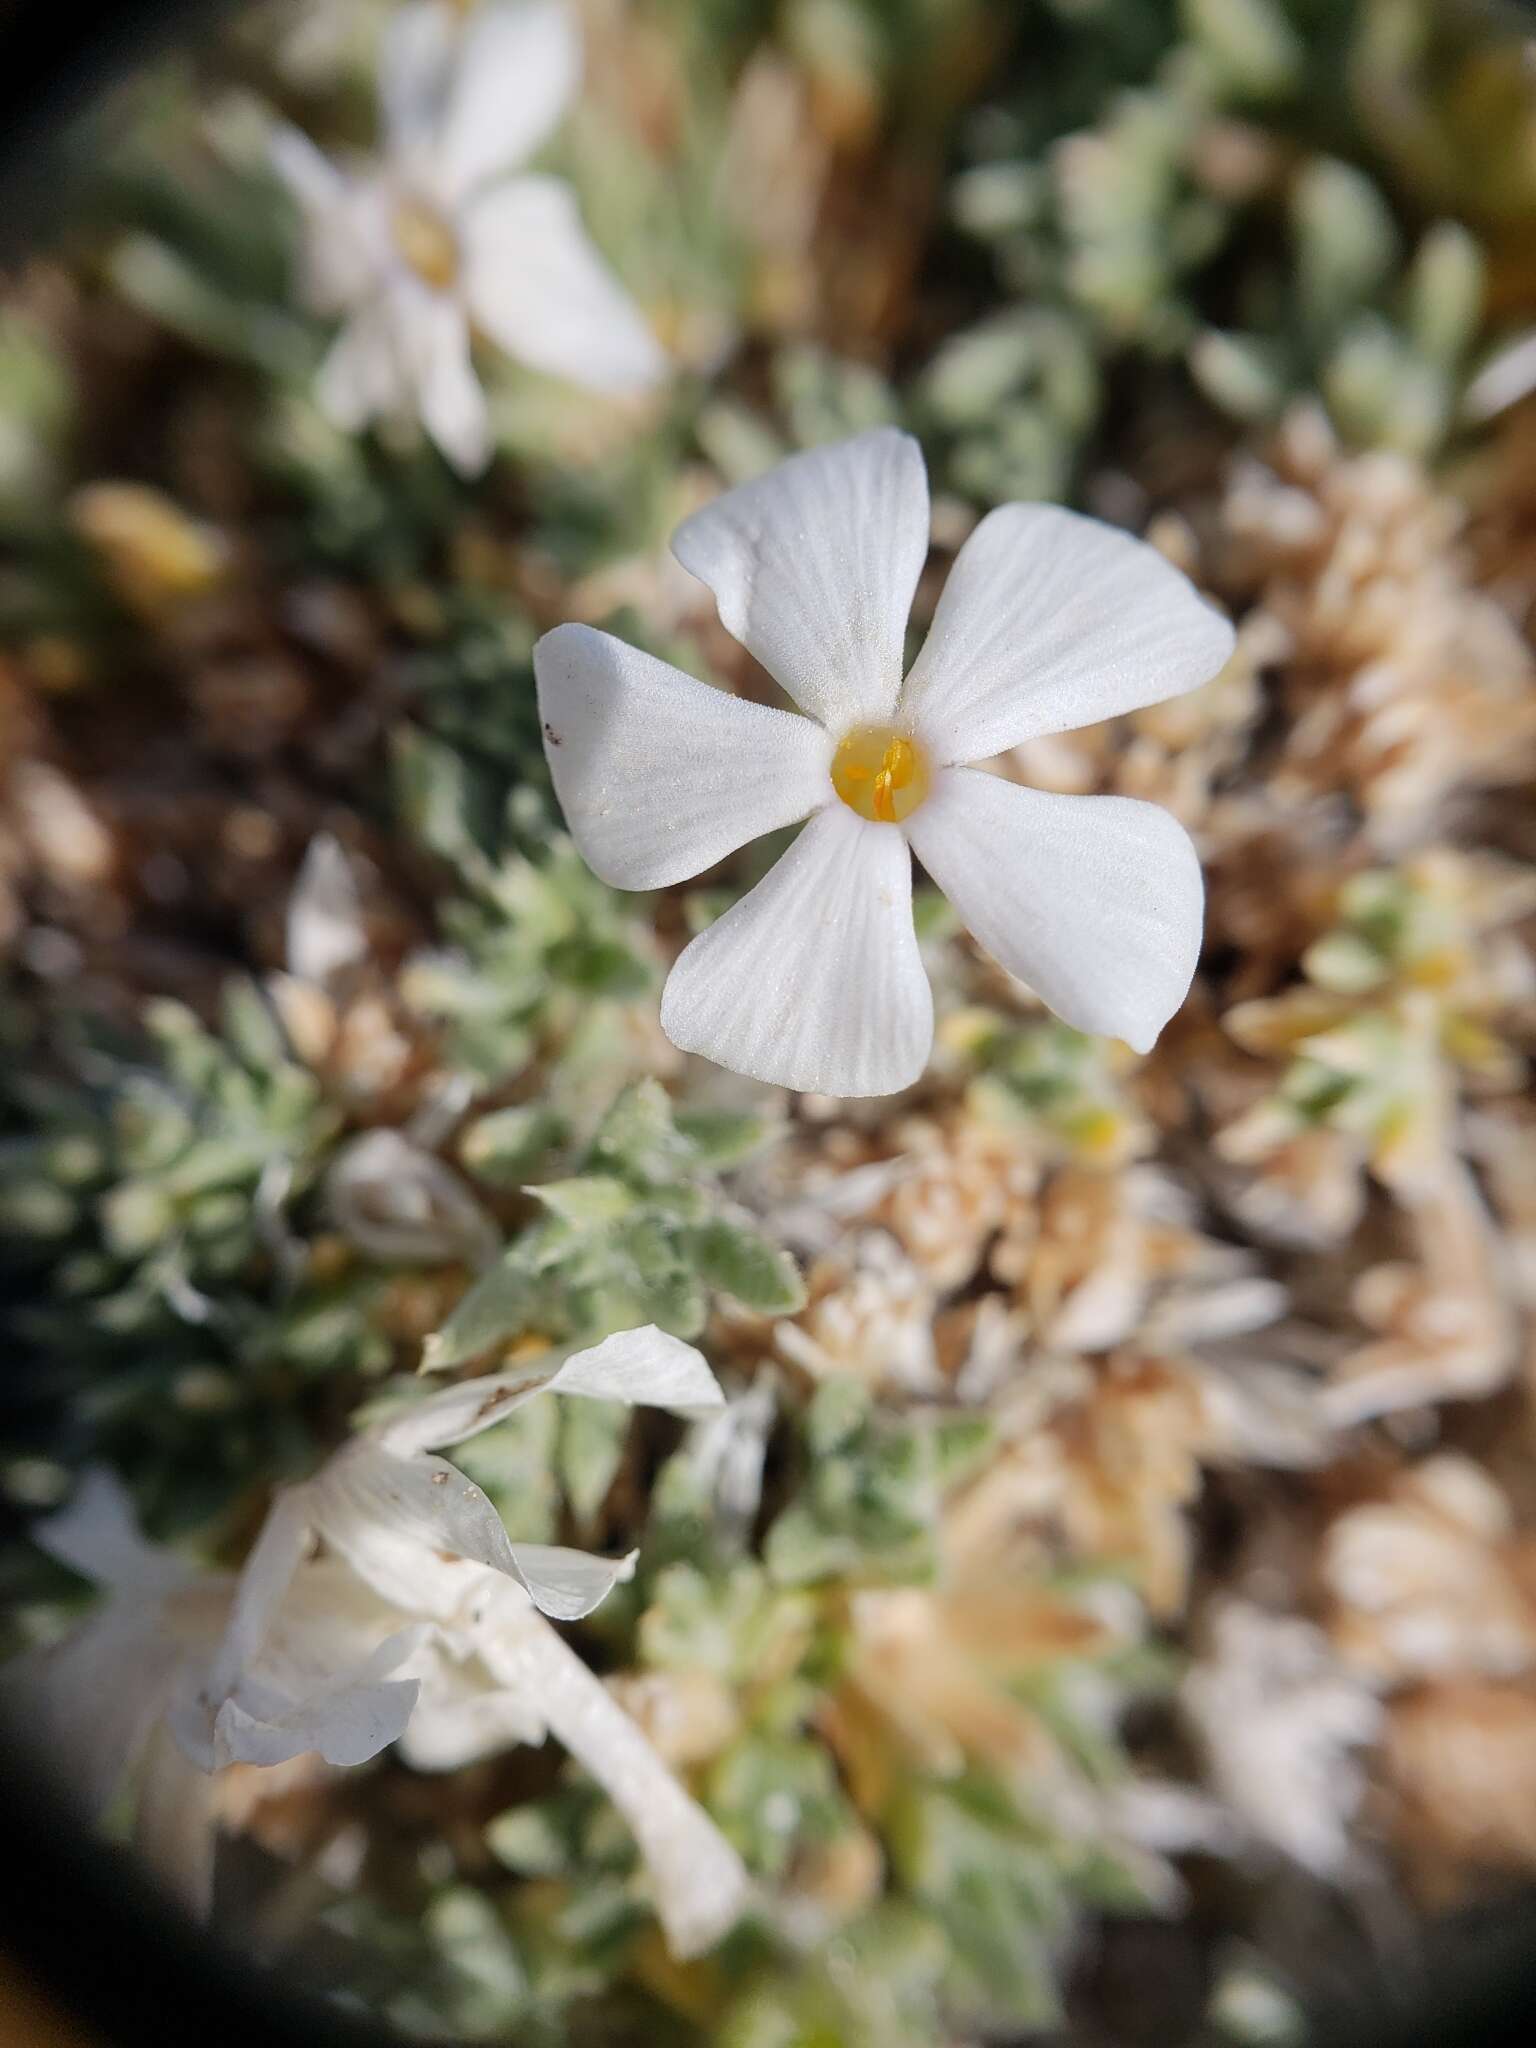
pixel 495 1309
pixel 586 1201
pixel 737 1259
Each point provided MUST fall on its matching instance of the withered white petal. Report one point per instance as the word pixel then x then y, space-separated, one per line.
pixel 700 1885
pixel 535 284
pixel 396 1202
pixel 813 980
pixel 569 1584
pixel 1094 901
pixel 813 567
pixel 325 930
pixel 661 776
pixel 462 1715
pixel 408 1525
pixel 1050 621
pixel 344 1717
pixel 644 1367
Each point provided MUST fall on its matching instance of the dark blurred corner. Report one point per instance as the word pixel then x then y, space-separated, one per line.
pixel 54 60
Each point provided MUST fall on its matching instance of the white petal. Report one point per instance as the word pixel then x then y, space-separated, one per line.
pixel 341 252
pixel 97 1535
pixel 813 567
pixel 569 1583
pixel 314 182
pixel 364 375
pixel 1050 621
pixel 285 1540
pixel 403 1524
pixel 660 776
pixel 645 1367
pixel 452 404
pixel 174 1824
pixel 537 286
pixel 813 980
pixel 345 1718
pixel 416 65
pixel 516 72
pixel 463 1410
pixel 90 1702
pixel 461 1717
pixel 406 1524
pixel 325 931
pixel 1094 901
pixel 700 1885
pixel 396 1202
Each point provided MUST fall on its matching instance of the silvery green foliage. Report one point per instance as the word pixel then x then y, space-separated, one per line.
pixel 980 1887
pixel 640 1232
pixel 159 1308
pixel 881 1527
pixel 1130 189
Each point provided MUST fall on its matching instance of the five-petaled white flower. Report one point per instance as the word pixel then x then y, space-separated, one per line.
pixel 435 238
pixel 420 1622
pixel 1049 621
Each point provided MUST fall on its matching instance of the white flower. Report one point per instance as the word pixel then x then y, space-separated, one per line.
pixel 111 1699
pixel 434 238
pixel 421 1622
pixel 422 1564
pixel 1049 621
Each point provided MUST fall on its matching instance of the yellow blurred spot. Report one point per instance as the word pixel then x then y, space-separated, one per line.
pixel 155 556
pixel 427 242
pixel 880 773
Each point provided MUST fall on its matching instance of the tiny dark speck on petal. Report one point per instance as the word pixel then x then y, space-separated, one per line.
pixel 439 1478
pixel 551 735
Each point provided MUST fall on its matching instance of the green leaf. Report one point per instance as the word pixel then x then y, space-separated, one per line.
pixel 504 1147
pixel 495 1309
pixel 586 1201
pixel 1346 241
pixel 638 1141
pixel 736 1258
pixel 592 1439
pixel 723 1137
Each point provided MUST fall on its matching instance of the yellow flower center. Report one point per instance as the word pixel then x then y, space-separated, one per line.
pixel 427 242
pixel 880 773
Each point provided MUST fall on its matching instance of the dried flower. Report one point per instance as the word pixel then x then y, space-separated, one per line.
pixel 115 1696
pixel 422 1624
pixel 814 980
pixel 1281 1722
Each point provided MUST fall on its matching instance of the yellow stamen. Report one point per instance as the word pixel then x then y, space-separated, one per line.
pixel 880 773
pixel 427 242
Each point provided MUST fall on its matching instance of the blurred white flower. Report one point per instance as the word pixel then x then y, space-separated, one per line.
pixel 1049 621
pixel 434 239
pixel 421 1622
